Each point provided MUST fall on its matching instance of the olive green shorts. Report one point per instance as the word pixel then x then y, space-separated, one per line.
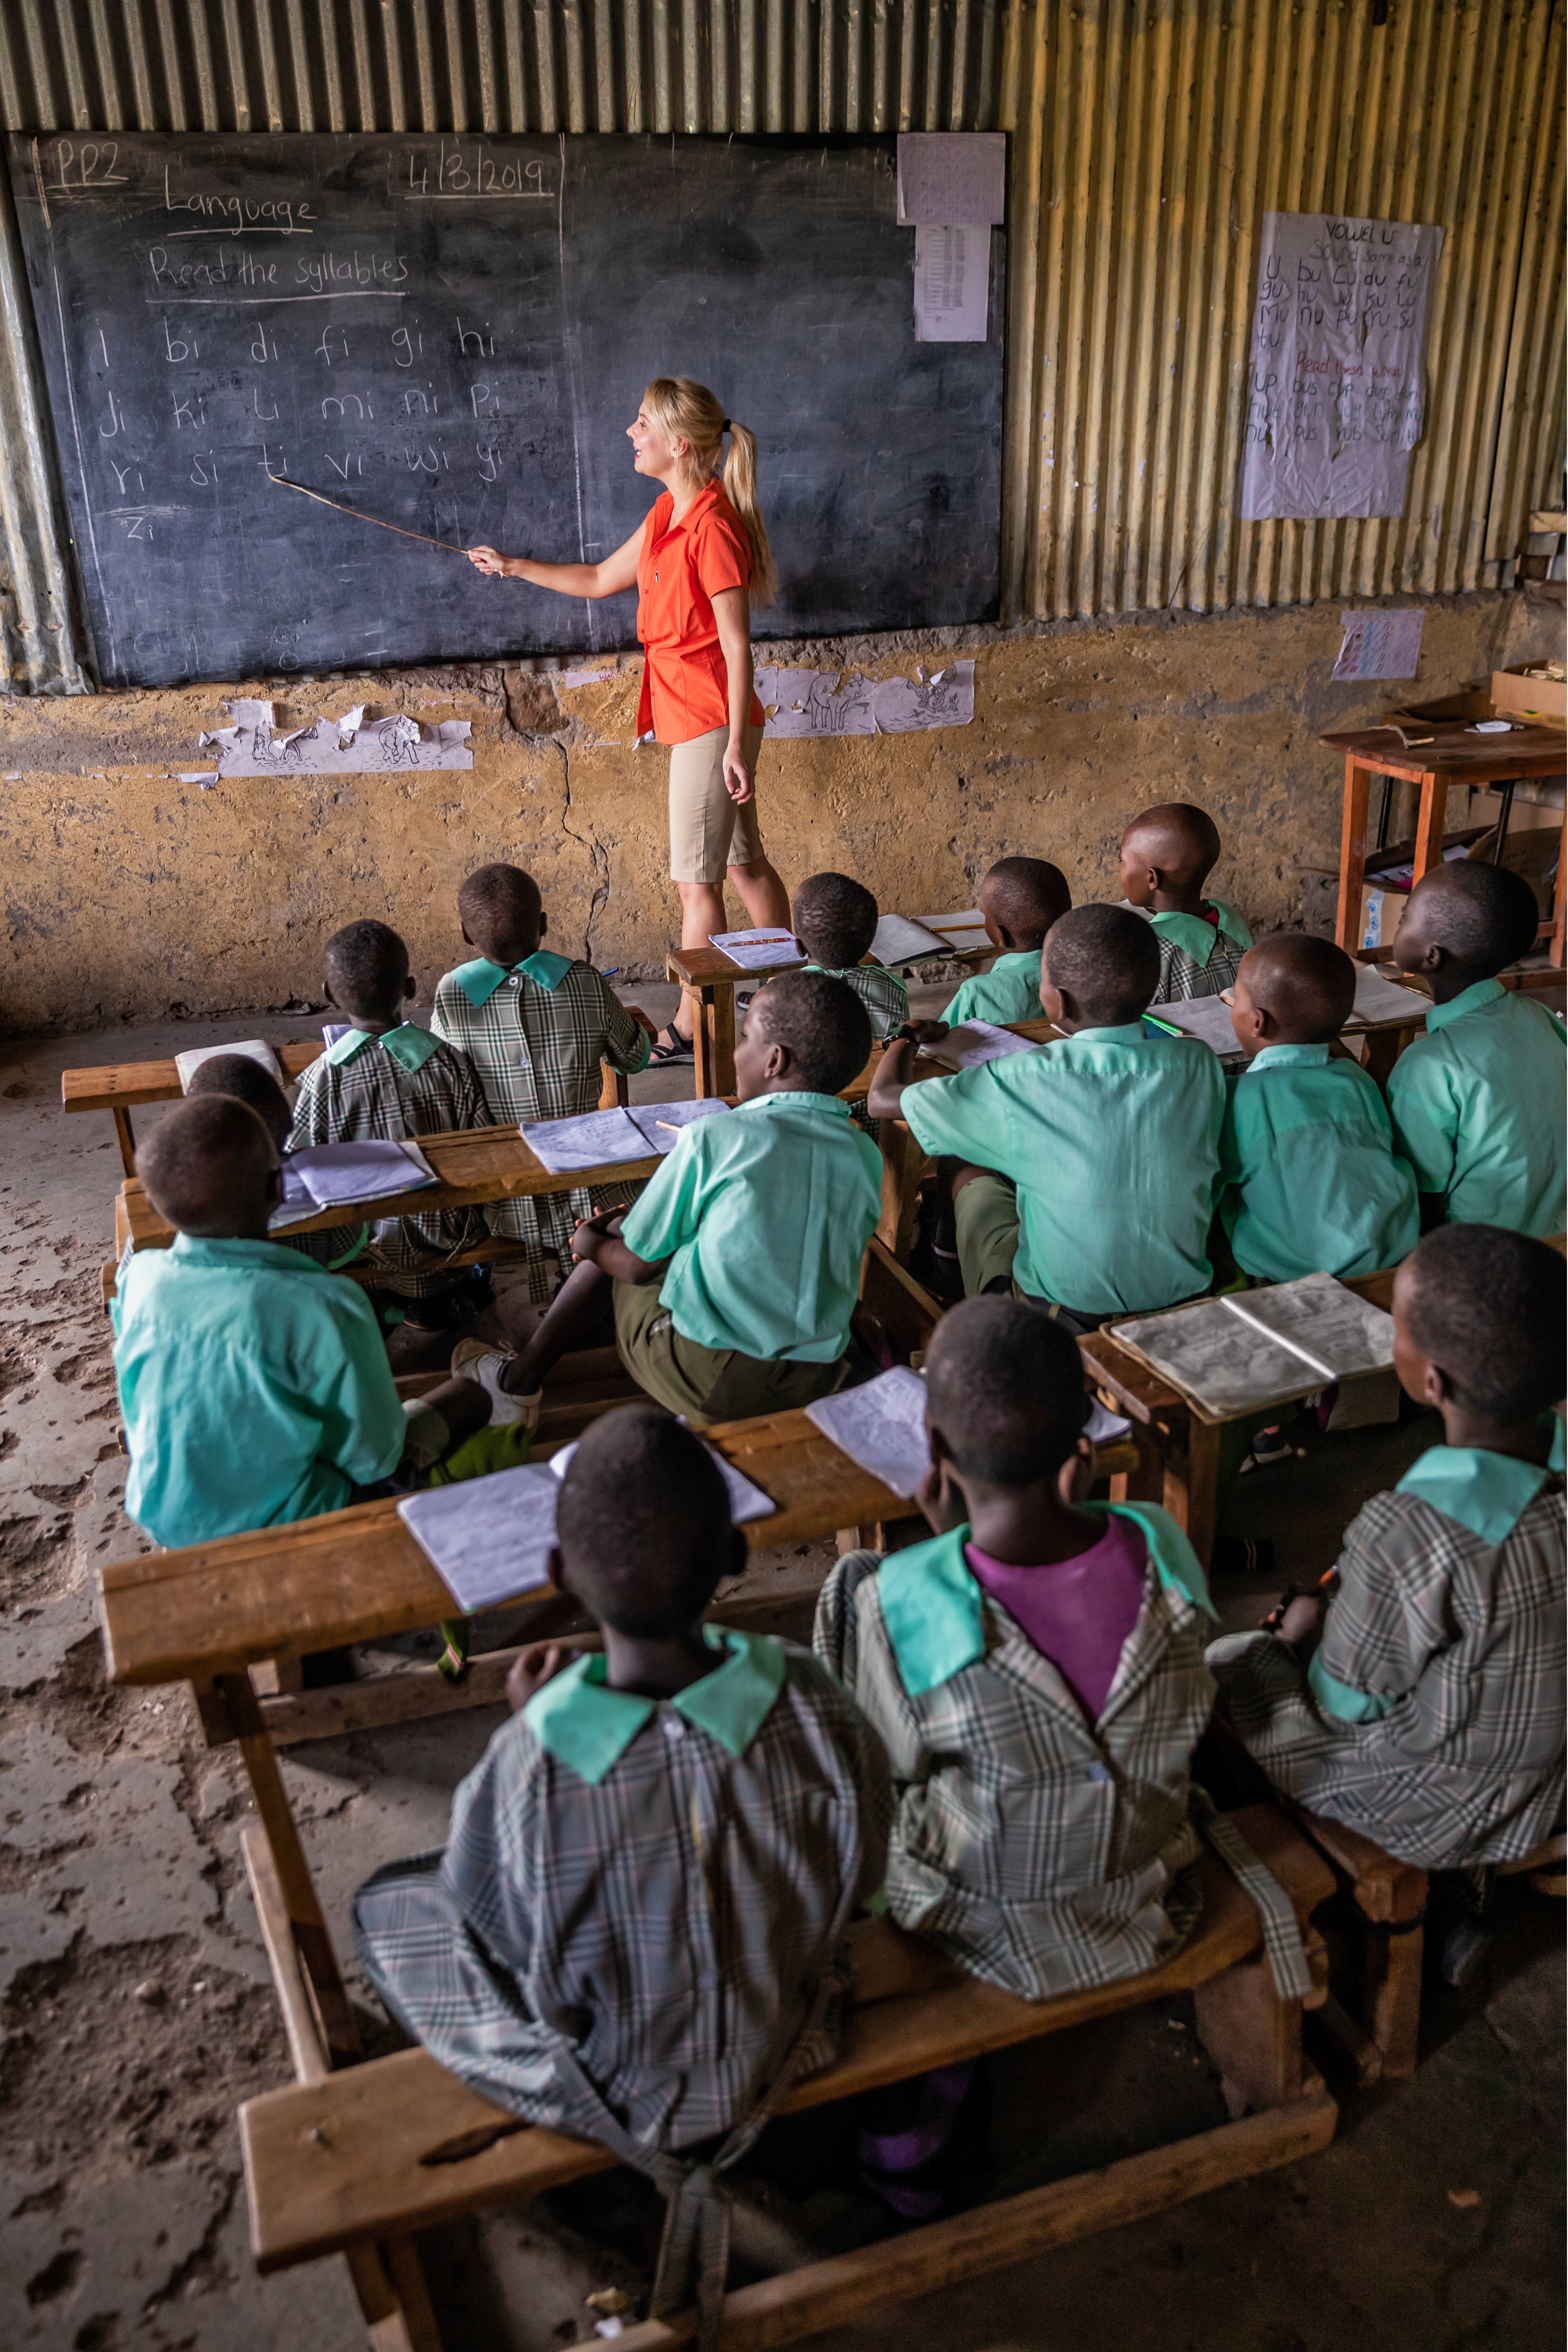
pixel 986 1211
pixel 707 1384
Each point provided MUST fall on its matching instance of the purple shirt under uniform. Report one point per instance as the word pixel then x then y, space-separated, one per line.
pixel 1078 1612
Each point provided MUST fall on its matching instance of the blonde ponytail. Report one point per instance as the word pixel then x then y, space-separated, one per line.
pixel 685 411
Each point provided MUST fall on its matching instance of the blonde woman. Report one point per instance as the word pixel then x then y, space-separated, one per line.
pixel 700 560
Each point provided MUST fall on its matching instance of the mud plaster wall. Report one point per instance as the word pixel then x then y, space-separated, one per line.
pixel 130 895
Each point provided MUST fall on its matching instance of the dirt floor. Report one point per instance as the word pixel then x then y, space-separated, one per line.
pixel 136 2008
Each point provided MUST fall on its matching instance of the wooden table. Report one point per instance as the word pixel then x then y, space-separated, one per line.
pixel 1454 757
pixel 710 979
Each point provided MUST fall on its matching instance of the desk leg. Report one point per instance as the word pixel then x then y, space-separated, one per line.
pixel 314 1945
pixel 1431 822
pixel 721 1036
pixel 1560 904
pixel 1192 1485
pixel 1352 855
pixel 126 1140
pixel 903 1163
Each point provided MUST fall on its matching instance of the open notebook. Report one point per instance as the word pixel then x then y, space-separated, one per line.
pixel 348 1175
pixel 882 1427
pixel 757 950
pixel 606 1139
pixel 971 1042
pixel 1263 1346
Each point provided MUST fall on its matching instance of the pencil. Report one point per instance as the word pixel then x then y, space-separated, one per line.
pixel 1168 1028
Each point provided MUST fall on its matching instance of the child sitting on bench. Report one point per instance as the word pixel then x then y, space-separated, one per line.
pixel 1086 1168
pixel 536 1026
pixel 1036 1674
pixel 835 919
pixel 241 1076
pixel 1479 1103
pixel 735 1274
pixel 1313 1184
pixel 254 1385
pixel 1168 855
pixel 1020 898
pixel 1423 1706
pixel 633 1930
pixel 388 1079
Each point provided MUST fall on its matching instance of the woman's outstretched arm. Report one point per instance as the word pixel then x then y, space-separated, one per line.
pixel 611 578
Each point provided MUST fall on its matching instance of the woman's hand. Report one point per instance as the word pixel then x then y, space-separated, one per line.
pixel 737 781
pixel 486 559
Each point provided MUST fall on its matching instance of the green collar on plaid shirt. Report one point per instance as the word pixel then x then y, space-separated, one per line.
pixel 1195 936
pixel 585 1724
pixel 1487 1493
pixel 934 1608
pixel 409 1046
pixel 481 979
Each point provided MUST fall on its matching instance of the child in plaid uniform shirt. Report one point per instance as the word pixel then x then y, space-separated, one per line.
pixel 1166 857
pixel 536 1026
pixel 1423 1706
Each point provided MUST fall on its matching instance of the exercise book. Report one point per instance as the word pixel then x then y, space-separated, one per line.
pixel 254 1049
pixel 898 939
pixel 1254 1348
pixel 746 1500
pixel 971 1042
pixel 882 1427
pixel 664 1123
pixel 339 1175
pixel 596 1139
pixel 488 1539
pixel 757 950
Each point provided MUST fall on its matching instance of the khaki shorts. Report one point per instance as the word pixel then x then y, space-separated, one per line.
pixel 707 1384
pixel 707 832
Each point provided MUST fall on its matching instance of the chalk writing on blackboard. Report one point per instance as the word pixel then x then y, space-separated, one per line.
pixel 1336 394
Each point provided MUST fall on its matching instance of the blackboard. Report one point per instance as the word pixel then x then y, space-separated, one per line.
pixel 454 334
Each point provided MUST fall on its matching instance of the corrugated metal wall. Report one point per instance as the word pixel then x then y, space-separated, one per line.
pixel 1149 138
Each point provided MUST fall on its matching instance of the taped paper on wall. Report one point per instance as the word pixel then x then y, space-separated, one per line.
pixel 947 176
pixel 335 747
pixel 814 703
pixel 1337 398
pixel 1380 645
pixel 952 284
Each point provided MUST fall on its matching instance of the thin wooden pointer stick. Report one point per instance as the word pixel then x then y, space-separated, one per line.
pixel 281 482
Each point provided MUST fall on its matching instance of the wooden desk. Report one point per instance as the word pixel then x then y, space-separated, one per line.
pixel 119 1087
pixel 710 979
pixel 1454 757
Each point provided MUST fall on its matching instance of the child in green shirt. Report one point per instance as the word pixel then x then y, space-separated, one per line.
pixel 1168 855
pixel 1479 1103
pixel 1313 1182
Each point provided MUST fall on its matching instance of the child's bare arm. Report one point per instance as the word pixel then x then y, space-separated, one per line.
pixel 893 1073
pixel 597 1242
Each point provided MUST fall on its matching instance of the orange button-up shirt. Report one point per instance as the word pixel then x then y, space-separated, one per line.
pixel 682 568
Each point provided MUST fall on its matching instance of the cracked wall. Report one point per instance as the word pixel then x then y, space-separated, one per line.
pixel 131 894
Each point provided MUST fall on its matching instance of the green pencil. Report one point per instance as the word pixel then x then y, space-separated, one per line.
pixel 1168 1027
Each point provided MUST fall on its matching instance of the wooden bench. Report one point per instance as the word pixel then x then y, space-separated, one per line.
pixel 357 2160
pixel 121 1087
pixel 710 978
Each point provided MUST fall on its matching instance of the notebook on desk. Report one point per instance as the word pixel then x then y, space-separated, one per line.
pixel 1235 1354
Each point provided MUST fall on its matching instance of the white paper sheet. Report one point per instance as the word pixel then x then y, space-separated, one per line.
pixel 1260 1346
pixel 881 1426
pixel 898 940
pixel 296 1203
pixel 488 1539
pixel 1377 999
pixel 968 919
pixel 952 285
pixel 952 176
pixel 597 1139
pixel 337 1175
pixel 745 1501
pixel 334 747
pixel 661 1124
pixel 1206 1017
pixel 973 1042
pixel 1380 645
pixel 821 704
pixel 254 1049
pixel 757 950
pixel 1337 390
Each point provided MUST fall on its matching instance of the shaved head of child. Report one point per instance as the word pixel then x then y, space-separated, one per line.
pixel 1292 990
pixel 367 972
pixel 1168 855
pixel 1021 898
pixel 1463 922
pixel 244 1080
pixel 834 919
pixel 806 1032
pixel 1479 1323
pixel 643 1526
pixel 502 914
pixel 1005 1397
pixel 210 1168
pixel 1100 968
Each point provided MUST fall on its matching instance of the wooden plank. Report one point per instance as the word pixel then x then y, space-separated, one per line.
pixel 1463 758
pixel 307 2050
pixel 1430 820
pixel 120 1085
pixel 1353 853
pixel 401 2144
pixel 829 2294
pixel 358 1575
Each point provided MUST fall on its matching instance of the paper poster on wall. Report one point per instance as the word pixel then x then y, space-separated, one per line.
pixel 951 282
pixel 816 704
pixel 334 747
pixel 952 176
pixel 1336 396
pixel 1380 645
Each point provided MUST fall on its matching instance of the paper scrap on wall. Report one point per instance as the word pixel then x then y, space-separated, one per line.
pixel 335 747
pixel 1337 388
pixel 813 702
pixel 951 175
pixel 1380 645
pixel 952 285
